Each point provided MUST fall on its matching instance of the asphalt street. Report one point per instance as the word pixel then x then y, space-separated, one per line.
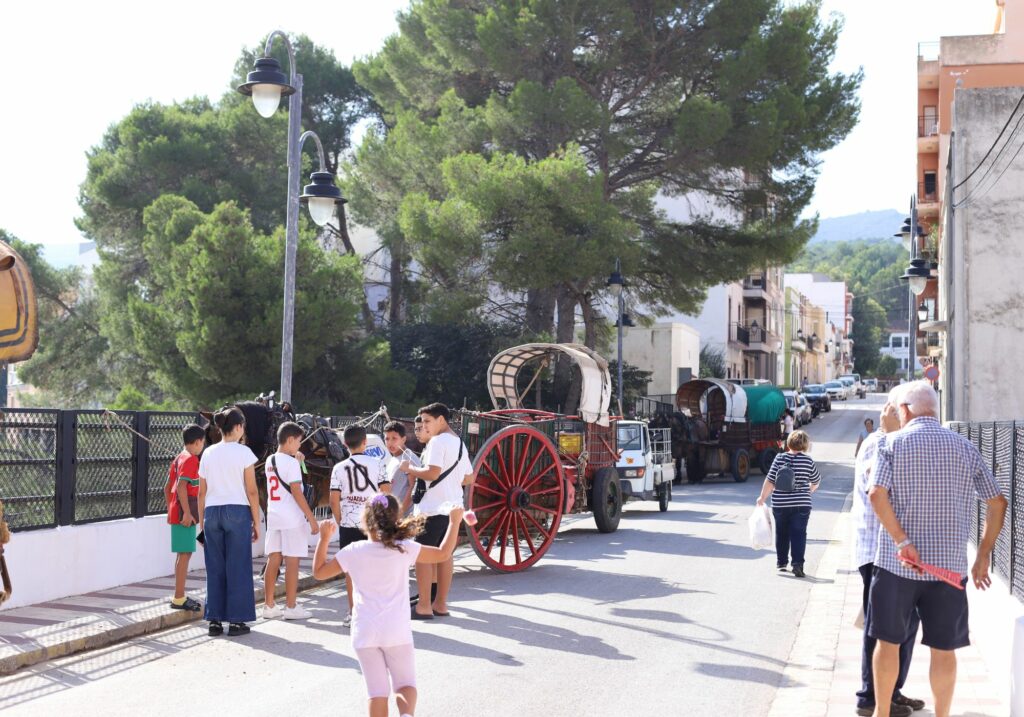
pixel 672 614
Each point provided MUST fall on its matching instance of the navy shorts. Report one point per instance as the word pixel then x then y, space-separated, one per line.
pixel 942 608
pixel 434 530
pixel 347 536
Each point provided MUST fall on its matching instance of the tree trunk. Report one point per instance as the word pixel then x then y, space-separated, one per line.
pixel 590 319
pixel 396 281
pixel 566 333
pixel 368 322
pixel 540 309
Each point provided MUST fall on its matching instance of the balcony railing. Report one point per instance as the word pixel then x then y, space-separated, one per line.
pixel 756 281
pixel 741 334
pixel 927 192
pixel 927 126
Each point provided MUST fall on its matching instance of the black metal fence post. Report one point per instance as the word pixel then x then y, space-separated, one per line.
pixel 66 467
pixel 1014 484
pixel 140 473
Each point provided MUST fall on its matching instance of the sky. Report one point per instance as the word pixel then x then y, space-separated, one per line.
pixel 134 52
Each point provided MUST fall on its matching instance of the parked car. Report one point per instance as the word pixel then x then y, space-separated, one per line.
pixel 859 389
pixel 805 407
pixel 849 385
pixel 801 412
pixel 871 384
pixel 750 381
pixel 836 390
pixel 818 397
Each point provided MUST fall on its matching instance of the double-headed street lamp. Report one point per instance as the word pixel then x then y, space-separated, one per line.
pixel 916 276
pixel 267 84
pixel 615 285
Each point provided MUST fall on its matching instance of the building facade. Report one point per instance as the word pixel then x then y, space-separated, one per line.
pixel 670 351
pixel 836 301
pixel 898 347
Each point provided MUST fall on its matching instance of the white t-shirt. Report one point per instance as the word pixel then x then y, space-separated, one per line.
pixel 282 510
pixel 442 451
pixel 380 575
pixel 788 423
pixel 357 478
pixel 223 468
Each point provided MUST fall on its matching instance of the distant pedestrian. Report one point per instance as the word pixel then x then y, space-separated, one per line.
pixel 787 424
pixel 354 482
pixel 381 622
pixel 790 482
pixel 446 467
pixel 290 522
pixel 401 483
pixel 923 488
pixel 230 509
pixel 866 526
pixel 182 493
pixel 869 428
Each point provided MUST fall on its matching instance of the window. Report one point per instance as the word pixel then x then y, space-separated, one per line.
pixel 930 121
pixel 930 185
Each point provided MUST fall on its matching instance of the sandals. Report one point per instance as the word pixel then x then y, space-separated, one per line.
pixel 190 605
pixel 417 616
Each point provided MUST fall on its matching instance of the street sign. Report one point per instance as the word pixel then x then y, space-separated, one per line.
pixel 932 373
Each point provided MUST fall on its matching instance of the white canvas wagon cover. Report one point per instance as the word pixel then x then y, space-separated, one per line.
pixel 596 392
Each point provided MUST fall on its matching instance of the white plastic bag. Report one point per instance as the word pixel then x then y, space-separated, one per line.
pixel 762 528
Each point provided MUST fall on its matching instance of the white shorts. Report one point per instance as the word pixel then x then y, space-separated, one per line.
pixel 381 663
pixel 290 542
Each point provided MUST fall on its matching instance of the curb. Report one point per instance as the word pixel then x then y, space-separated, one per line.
pixel 121 633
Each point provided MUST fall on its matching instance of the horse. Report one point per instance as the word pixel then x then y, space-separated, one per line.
pixel 687 435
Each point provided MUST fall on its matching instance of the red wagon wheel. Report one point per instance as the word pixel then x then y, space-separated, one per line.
pixel 518 497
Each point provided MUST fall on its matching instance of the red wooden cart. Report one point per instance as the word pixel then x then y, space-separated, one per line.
pixel 534 466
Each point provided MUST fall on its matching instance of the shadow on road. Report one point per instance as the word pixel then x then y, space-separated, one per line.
pixel 745 673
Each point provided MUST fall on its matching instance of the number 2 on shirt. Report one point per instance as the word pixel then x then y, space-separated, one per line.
pixel 275 484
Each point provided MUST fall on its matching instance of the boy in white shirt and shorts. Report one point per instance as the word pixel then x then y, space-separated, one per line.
pixel 354 482
pixel 290 522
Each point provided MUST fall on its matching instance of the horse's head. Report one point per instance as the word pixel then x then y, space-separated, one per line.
pixel 213 434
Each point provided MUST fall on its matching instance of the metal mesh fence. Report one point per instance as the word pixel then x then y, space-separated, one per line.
pixel 1016 519
pixel 28 467
pixel 164 433
pixel 1002 469
pixel 104 465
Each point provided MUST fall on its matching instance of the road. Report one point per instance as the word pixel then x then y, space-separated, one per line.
pixel 672 614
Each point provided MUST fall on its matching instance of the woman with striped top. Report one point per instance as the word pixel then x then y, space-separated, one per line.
pixel 792 508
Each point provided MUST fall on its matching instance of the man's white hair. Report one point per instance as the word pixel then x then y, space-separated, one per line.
pixel 893 399
pixel 920 398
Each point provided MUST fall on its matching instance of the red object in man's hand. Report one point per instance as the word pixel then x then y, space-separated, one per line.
pixel 949 577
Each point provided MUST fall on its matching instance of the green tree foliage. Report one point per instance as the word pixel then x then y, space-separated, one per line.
pixel 572 118
pixel 188 289
pixel 869 330
pixel 712 362
pixel 634 385
pixel 887 367
pixel 71 345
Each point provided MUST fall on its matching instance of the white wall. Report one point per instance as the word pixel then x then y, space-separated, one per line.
pixel 662 349
pixel 72 560
pixel 827 295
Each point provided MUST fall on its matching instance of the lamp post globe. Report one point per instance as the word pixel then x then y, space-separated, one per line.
pixel 321 196
pixel 917 275
pixel 616 282
pixel 266 84
pixel 922 313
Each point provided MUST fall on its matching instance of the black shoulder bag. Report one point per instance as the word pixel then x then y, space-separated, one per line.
pixel 423 486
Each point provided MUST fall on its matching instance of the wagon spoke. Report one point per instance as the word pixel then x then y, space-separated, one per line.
pixel 480 486
pixel 531 467
pixel 547 491
pixel 543 509
pixel 495 504
pixel 487 523
pixel 501 462
pixel 539 476
pixel 539 527
pixel 526 535
pixel 515 537
pixel 522 459
pixel 503 527
pixel 494 474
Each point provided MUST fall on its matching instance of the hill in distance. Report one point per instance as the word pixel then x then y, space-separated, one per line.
pixel 880 224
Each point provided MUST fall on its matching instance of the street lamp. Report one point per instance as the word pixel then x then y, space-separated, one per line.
pixel 917 275
pixel 922 313
pixel 267 84
pixel 615 285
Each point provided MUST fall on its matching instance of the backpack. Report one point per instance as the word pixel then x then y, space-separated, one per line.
pixel 785 477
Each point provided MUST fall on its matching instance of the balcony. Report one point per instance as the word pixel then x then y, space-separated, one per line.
pixel 798 344
pixel 739 334
pixel 755 286
pixel 762 340
pixel 927 135
pixel 928 199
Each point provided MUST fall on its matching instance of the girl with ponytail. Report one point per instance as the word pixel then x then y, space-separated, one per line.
pixel 381 620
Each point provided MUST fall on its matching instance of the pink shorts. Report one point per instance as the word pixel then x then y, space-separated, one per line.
pixel 377 663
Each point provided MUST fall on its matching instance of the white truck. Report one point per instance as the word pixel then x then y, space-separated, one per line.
pixel 645 466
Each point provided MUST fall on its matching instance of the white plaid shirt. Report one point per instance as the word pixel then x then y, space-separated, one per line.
pixel 865 522
pixel 932 475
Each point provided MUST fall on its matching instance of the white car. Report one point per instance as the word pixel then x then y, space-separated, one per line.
pixel 858 388
pixel 795 402
pixel 836 391
pixel 849 385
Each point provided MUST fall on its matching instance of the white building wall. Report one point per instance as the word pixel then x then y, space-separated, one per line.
pixel 662 349
pixel 828 295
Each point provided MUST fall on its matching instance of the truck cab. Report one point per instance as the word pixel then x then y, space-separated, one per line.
pixel 645 466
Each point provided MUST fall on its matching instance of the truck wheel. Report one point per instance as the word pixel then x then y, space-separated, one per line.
pixel 606 500
pixel 765 459
pixel 740 465
pixel 664 496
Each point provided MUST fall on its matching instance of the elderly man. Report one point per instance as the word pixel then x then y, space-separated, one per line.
pixel 865 546
pixel 923 488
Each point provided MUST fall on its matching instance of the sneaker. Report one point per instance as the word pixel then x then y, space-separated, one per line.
pixel 896 710
pixel 271 611
pixel 347 622
pixel 297 613
pixel 798 571
pixel 782 569
pixel 238 628
pixel 216 628
pixel 910 702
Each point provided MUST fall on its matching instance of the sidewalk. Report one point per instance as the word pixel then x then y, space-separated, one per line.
pixel 35 633
pixel 823 671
